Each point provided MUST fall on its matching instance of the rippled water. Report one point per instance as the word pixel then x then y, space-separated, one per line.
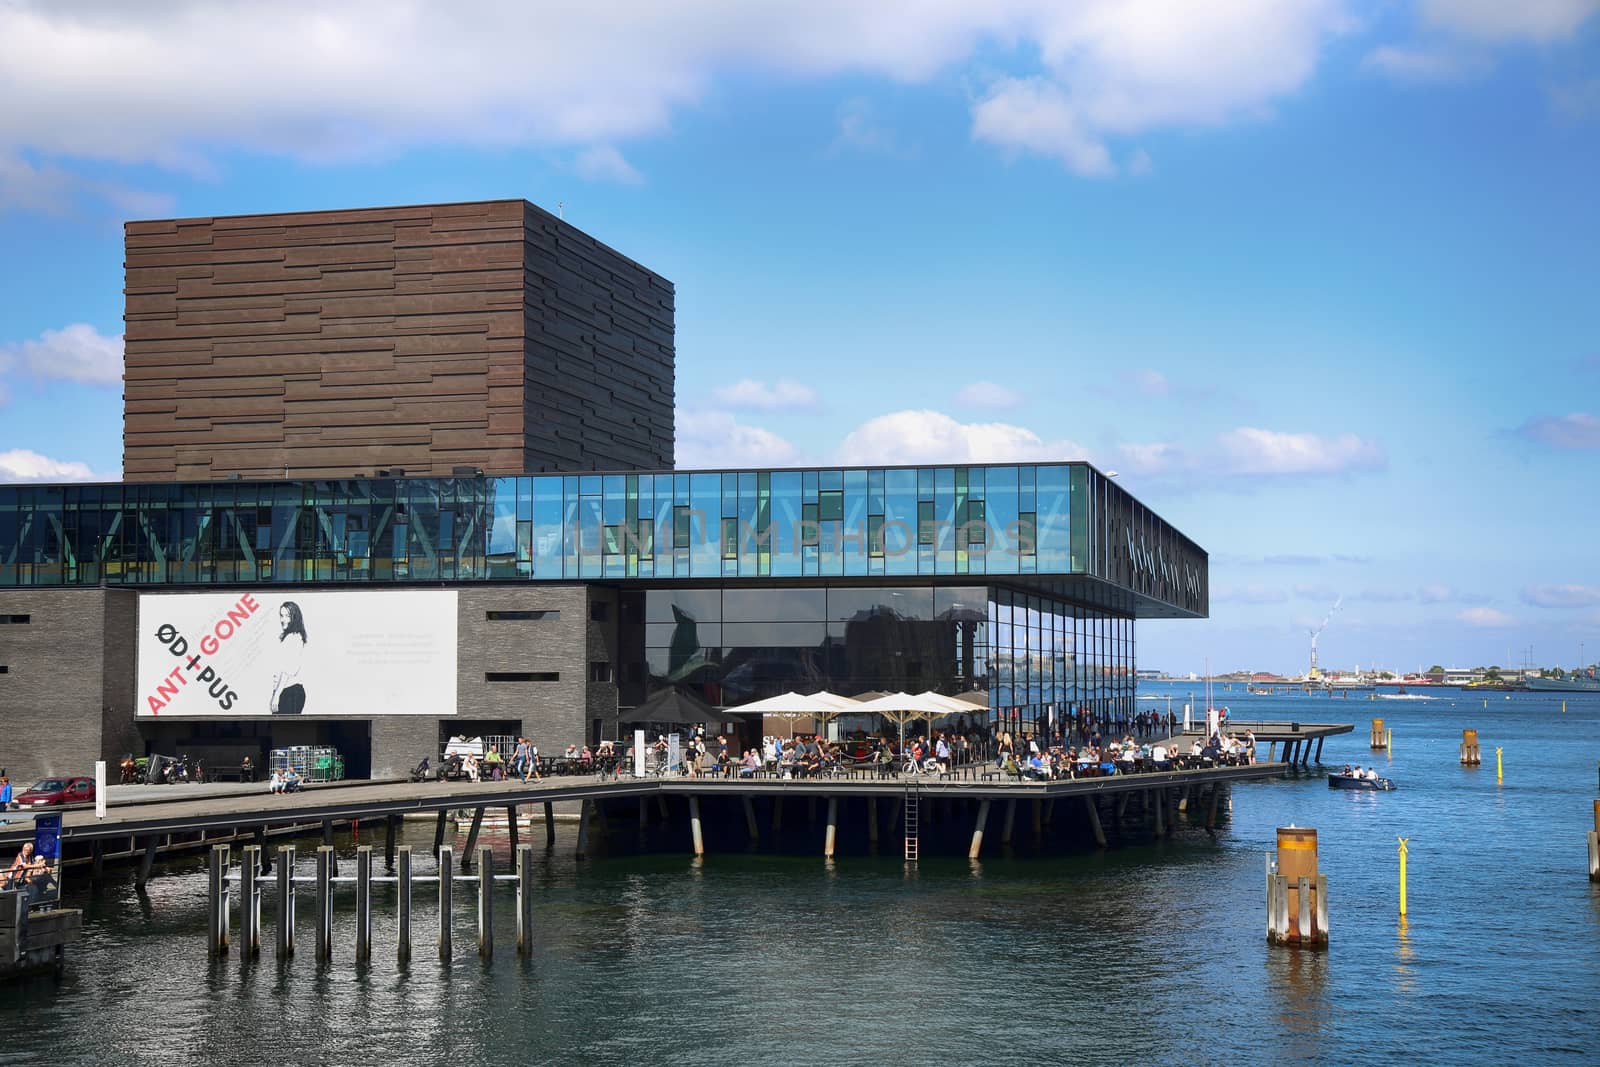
pixel 1152 953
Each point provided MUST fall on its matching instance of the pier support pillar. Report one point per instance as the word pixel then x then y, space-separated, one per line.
pixel 324 904
pixel 777 815
pixel 250 903
pixel 1094 821
pixel 1320 740
pixel 472 837
pixel 147 862
pixel 390 831
pixel 511 824
pixel 1038 819
pixel 364 904
pixel 644 813
pixel 285 902
pixel 97 864
pixel 1211 809
pixel 1011 818
pixel 327 839
pixel 438 833
pixel 750 820
pixel 525 900
pixel 977 829
pixel 402 888
pixel 833 827
pixel 585 813
pixel 485 904
pixel 447 897
pixel 549 825
pixel 1297 910
pixel 217 897
pixel 872 821
pixel 1156 805
pixel 694 826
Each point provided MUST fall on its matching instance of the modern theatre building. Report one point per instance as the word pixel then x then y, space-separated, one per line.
pixel 397 474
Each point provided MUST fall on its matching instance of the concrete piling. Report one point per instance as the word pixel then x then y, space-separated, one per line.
pixel 324 904
pixel 217 873
pixel 1470 754
pixel 977 829
pixel 833 827
pixel 446 903
pixel 250 903
pixel 472 837
pixel 286 902
pixel 750 826
pixel 1297 912
pixel 694 825
pixel 525 901
pixel 364 904
pixel 403 905
pixel 1094 822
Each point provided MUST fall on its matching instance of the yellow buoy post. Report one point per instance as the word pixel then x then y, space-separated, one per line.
pixel 1297 892
pixel 1499 767
pixel 1470 754
pixel 1403 841
pixel 1388 742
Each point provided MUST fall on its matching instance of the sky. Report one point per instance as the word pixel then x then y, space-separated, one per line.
pixel 1318 279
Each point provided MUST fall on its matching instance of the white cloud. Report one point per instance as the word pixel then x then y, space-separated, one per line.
pixel 51 190
pixel 603 163
pixel 1486 617
pixel 1505 20
pixel 1562 596
pixel 1249 594
pixel 1426 64
pixel 860 129
pixel 710 440
pixel 23 465
pixel 178 82
pixel 1038 116
pixel 76 353
pixel 1252 451
pixel 751 395
pixel 1578 430
pixel 990 396
pixel 910 437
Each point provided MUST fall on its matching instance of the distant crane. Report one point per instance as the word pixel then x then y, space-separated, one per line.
pixel 1314 673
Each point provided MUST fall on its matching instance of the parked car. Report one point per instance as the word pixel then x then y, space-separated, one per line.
pixel 51 791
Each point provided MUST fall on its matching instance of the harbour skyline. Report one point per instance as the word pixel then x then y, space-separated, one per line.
pixel 1318 291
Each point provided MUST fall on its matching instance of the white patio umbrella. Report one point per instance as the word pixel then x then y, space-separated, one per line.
pixel 901 707
pixel 794 706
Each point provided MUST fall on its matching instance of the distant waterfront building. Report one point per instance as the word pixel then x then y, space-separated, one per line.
pixel 548 570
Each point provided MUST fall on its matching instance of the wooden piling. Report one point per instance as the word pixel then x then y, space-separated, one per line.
pixel 147 862
pixel 1011 818
pixel 390 831
pixel 584 811
pixel 1156 812
pixel 217 897
pixel 438 833
pixel 327 839
pixel 525 900
pixel 324 902
pixel 285 902
pixel 472 837
pixel 549 825
pixel 694 826
pixel 644 813
pixel 446 903
pixel 485 904
pixel 364 904
pixel 403 905
pixel 977 829
pixel 511 824
pixel 750 826
pixel 1094 821
pixel 250 903
pixel 833 827
pixel 1211 809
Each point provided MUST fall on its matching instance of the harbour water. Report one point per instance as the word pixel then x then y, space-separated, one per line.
pixel 1153 953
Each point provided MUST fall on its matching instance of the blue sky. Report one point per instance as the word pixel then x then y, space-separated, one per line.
pixel 1317 277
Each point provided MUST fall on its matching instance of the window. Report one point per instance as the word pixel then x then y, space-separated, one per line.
pixel 730 538
pixel 522 676
pixel 597 611
pixel 4 669
pixel 20 620
pixel 599 672
pixel 522 616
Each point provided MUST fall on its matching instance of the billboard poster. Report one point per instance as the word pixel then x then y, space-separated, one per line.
pixel 291 652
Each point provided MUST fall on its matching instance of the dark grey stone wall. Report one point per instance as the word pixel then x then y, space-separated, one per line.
pixel 52 693
pixel 119 733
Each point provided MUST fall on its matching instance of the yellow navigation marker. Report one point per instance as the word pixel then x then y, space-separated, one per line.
pixel 1403 841
pixel 1499 768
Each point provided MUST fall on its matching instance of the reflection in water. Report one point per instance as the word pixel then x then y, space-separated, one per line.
pixel 1404 955
pixel 1299 977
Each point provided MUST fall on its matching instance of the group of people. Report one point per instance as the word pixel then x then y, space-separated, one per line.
pixel 284 780
pixel 1356 772
pixel 27 872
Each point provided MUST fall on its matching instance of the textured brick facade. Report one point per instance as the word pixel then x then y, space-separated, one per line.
pixel 66 698
pixel 321 344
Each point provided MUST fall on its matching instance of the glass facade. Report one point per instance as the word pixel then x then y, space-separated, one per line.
pixel 1031 521
pixel 1038 658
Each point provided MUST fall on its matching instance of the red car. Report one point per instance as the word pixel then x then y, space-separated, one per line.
pixel 50 791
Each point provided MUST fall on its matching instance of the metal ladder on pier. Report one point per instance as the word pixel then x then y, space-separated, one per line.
pixel 912 818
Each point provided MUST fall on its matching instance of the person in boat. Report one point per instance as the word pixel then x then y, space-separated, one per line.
pixel 1346 772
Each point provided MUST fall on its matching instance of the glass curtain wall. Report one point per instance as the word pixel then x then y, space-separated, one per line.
pixel 1054 665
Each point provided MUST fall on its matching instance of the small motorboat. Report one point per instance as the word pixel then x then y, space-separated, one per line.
pixel 1350 781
